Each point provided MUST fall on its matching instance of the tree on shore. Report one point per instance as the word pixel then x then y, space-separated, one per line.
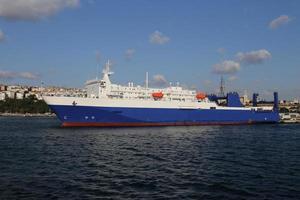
pixel 27 105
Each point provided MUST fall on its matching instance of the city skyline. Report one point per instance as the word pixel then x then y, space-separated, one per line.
pixel 253 44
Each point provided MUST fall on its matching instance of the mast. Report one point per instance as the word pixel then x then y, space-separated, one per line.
pixel 97 64
pixel 147 81
pixel 106 72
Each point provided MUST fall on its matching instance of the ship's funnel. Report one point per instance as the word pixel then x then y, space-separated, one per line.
pixel 254 99
pixel 276 103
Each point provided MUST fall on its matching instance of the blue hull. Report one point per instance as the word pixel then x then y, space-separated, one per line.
pixel 117 116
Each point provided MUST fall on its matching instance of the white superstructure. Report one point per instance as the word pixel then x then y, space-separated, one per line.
pixel 105 89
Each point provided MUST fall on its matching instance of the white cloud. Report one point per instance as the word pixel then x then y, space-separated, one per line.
pixel 2 36
pixel 33 10
pixel 226 67
pixel 232 78
pixel 27 75
pixel 15 75
pixel 254 57
pixel 129 53
pixel 158 38
pixel 159 80
pixel 7 75
pixel 279 21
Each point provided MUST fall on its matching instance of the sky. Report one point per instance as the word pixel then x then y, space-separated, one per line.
pixel 254 45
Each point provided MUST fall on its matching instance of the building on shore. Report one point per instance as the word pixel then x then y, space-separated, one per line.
pixel 21 91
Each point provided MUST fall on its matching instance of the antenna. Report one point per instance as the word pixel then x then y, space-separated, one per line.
pixel 147 80
pixel 42 87
pixel 107 66
pixel 98 63
pixel 106 69
pixel 97 71
pixel 222 87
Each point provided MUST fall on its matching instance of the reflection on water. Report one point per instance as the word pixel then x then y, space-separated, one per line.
pixel 41 160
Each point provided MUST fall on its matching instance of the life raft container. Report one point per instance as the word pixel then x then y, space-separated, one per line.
pixel 200 96
pixel 157 95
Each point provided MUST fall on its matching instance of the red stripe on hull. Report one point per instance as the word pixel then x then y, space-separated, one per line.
pixel 97 124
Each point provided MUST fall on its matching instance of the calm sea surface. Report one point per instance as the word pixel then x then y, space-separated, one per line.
pixel 41 160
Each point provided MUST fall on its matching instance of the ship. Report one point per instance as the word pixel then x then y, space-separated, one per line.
pixel 112 105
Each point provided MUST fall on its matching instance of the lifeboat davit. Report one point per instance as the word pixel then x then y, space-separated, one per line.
pixel 157 95
pixel 200 96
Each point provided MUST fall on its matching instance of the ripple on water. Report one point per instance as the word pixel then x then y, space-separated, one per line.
pixel 40 160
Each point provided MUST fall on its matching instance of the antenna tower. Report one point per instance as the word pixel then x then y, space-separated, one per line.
pixel 222 87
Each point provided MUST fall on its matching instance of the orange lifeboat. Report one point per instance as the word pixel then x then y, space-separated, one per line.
pixel 157 95
pixel 200 96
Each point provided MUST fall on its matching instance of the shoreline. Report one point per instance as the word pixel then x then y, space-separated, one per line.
pixel 27 115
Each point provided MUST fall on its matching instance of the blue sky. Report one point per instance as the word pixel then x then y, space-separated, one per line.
pixel 255 45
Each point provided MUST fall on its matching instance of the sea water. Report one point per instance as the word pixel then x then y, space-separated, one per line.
pixel 41 160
